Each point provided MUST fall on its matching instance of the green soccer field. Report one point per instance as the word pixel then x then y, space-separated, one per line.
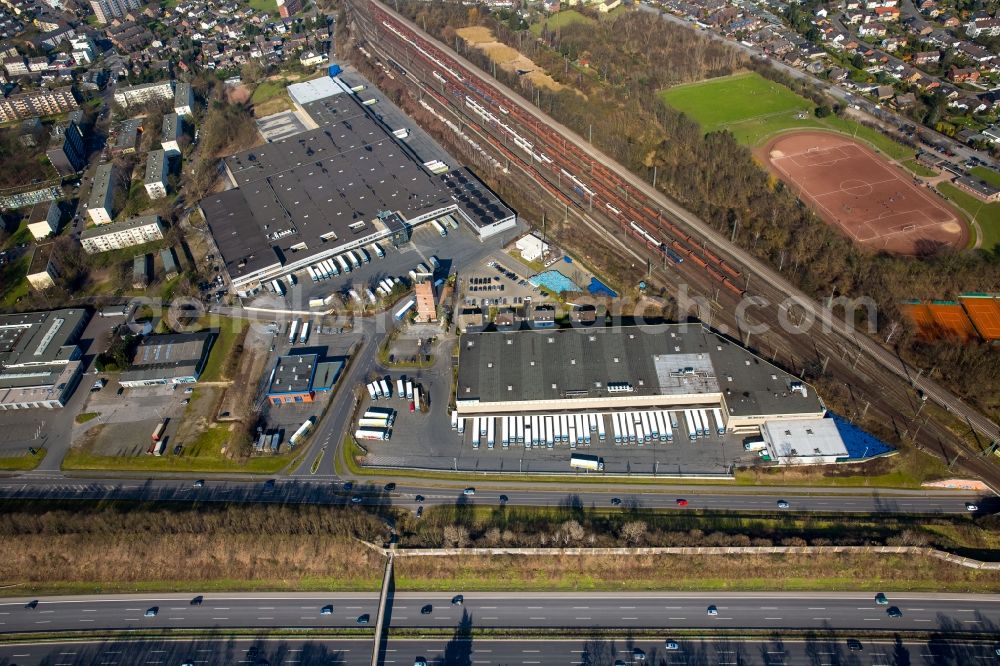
pixel 720 102
pixel 754 109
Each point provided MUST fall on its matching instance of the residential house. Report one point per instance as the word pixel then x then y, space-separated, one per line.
pixel 926 57
pixel 963 74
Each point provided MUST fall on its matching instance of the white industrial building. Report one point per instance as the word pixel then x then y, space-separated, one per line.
pixel 39 358
pixel 626 384
pixel 531 247
pixel 803 442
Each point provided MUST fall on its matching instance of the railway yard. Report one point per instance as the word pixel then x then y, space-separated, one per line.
pixel 732 292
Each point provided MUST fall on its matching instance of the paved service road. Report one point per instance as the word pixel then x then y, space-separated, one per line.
pixel 329 491
pixel 458 652
pixel 777 611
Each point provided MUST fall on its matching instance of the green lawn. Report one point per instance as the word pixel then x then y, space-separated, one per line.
pixel 230 330
pixel 753 109
pixel 919 169
pixel 987 215
pixel 86 416
pixel 988 175
pixel 559 20
pixel 13 281
pixel 23 462
pixel 265 90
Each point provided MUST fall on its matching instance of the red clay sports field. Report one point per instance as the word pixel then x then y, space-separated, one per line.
pixel 875 203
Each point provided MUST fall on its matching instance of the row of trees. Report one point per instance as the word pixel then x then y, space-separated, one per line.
pixel 615 101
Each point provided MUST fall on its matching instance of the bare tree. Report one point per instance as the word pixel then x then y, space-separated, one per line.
pixel 633 532
pixel 456 536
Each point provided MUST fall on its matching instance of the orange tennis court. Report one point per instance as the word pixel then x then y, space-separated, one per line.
pixel 874 202
pixel 942 319
pixel 985 315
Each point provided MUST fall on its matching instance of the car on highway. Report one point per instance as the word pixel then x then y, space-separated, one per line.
pixel 151 612
pixel 619 662
pixel 200 483
pixel 196 601
pixel 782 504
pixel 418 499
pixel 854 645
pixel 348 485
pixel 457 600
pixel 364 619
pixel 615 501
pixel 681 502
pixel 969 506
pixel 31 605
pixel 269 484
pixel 504 499
pixel 638 654
pixel 419 661
pixel 389 487
pixel 427 609
pixel 881 599
pixel 671 645
pixel 894 611
pixel 712 610
pixel 469 491
pixel 326 610
pixel 356 499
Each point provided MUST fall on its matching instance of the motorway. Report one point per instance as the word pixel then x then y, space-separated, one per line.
pixel 632 495
pixel 778 611
pixel 821 650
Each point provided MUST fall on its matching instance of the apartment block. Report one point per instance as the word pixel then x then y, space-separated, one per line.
pixel 147 92
pixel 37 103
pixel 118 235
pixel 183 99
pixel 156 174
pixel 100 205
pixel 106 10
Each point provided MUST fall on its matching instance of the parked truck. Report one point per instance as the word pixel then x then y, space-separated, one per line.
pixel 490 432
pixel 586 461
pixel 440 229
pixel 304 335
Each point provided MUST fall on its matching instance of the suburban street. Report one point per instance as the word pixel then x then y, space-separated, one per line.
pixel 816 651
pixel 776 611
pixel 328 490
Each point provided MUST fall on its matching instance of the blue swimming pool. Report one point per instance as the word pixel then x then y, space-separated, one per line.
pixel 554 281
pixel 598 288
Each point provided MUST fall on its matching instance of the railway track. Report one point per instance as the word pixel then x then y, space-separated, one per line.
pixel 590 184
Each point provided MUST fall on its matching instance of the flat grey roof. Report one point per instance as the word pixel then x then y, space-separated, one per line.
pixel 40 258
pixel 980 186
pixel 182 93
pixel 154 166
pixel 167 356
pixel 171 127
pixel 114 227
pixel 672 359
pixel 804 437
pixel 128 133
pixel 293 374
pixel 310 91
pixel 102 183
pixel 305 191
pixel 32 338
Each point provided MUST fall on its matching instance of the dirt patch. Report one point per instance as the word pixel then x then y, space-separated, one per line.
pixel 875 203
pixel 238 94
pixel 506 57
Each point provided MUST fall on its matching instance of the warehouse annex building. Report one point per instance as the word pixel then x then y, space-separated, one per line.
pixel 346 183
pixel 40 362
pixel 664 374
pixel 176 358
pixel 298 377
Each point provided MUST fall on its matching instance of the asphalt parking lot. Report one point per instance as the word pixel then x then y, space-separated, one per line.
pixel 459 249
pixel 429 442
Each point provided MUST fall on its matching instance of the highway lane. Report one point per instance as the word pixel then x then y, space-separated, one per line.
pixel 330 490
pixel 818 651
pixel 857 611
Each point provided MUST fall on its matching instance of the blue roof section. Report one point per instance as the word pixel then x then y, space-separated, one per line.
pixel 860 444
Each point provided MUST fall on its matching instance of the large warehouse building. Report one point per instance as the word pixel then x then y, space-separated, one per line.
pixel 39 358
pixel 319 193
pixel 633 383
